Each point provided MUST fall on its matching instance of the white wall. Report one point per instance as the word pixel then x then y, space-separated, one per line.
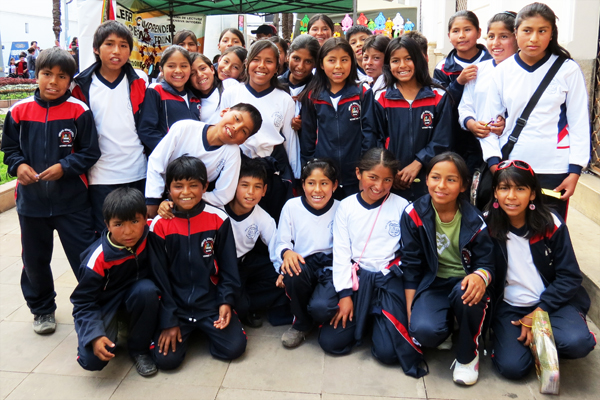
pixel 38 15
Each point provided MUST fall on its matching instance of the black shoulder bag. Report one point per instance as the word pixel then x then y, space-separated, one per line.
pixel 481 187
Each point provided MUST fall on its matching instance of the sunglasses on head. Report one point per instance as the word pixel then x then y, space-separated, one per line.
pixel 517 164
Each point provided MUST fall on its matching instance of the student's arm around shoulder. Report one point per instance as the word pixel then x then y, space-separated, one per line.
pixel 226 183
pixel 159 160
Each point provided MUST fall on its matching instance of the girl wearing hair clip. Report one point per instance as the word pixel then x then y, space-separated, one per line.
pixel 536 270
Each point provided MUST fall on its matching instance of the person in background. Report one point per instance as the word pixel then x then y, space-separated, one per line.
pixel 264 32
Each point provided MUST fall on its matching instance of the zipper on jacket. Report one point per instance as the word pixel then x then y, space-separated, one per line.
pixel 189 239
pixel 107 278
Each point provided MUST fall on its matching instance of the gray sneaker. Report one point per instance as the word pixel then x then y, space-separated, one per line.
pixel 293 338
pixel 44 324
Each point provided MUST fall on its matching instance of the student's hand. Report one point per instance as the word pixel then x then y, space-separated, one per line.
pixel 498 127
pixel 26 175
pixel 467 74
pixel 296 123
pixel 345 312
pixel 474 288
pixel 165 209
pixel 399 183
pixel 526 333
pixel 494 168
pixel 568 185
pixel 478 128
pixel 279 283
pixel 224 317
pixel 53 173
pixel 152 210
pixel 169 338
pixel 291 263
pixel 408 174
pixel 99 345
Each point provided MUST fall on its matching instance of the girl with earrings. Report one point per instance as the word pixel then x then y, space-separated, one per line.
pixel 536 270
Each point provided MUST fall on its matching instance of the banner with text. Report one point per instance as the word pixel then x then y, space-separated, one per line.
pixel 152 33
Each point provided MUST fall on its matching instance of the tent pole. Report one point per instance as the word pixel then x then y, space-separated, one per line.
pixel 354 7
pixel 172 27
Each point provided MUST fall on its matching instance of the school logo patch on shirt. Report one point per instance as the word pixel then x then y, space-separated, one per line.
pixel 330 227
pixel 466 256
pixel 354 109
pixel 207 245
pixel 442 242
pixel 427 118
pixel 393 228
pixel 252 231
pixel 65 138
pixel 277 119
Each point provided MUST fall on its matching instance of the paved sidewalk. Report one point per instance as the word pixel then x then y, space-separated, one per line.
pixel 37 367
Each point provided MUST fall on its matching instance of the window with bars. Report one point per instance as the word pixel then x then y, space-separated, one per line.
pixel 461 5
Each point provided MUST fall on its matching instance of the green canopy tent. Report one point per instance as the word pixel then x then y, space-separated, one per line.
pixel 259 7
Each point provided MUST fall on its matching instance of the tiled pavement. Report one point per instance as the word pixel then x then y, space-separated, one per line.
pixel 44 367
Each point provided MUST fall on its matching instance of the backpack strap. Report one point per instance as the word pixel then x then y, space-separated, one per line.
pixel 522 121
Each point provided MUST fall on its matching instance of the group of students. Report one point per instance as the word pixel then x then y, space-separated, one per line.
pixel 317 153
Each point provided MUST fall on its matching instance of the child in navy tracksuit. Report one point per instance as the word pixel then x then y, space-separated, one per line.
pixel 201 265
pixel 458 68
pixel 331 115
pixel 411 116
pixel 536 269
pixel 169 101
pixel 114 92
pixel 115 275
pixel 49 142
pixel 448 263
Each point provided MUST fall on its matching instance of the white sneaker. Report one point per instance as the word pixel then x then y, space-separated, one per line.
pixel 466 374
pixel 446 344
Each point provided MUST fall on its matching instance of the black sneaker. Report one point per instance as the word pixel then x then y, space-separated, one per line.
pixel 144 364
pixel 44 324
pixel 253 320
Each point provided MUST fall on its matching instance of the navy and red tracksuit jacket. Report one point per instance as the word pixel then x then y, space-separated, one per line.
pixel 420 130
pixel 450 70
pixel 162 107
pixel 41 134
pixel 337 135
pixel 137 87
pixel 105 274
pixel 202 264
pixel 555 260
pixel 418 250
